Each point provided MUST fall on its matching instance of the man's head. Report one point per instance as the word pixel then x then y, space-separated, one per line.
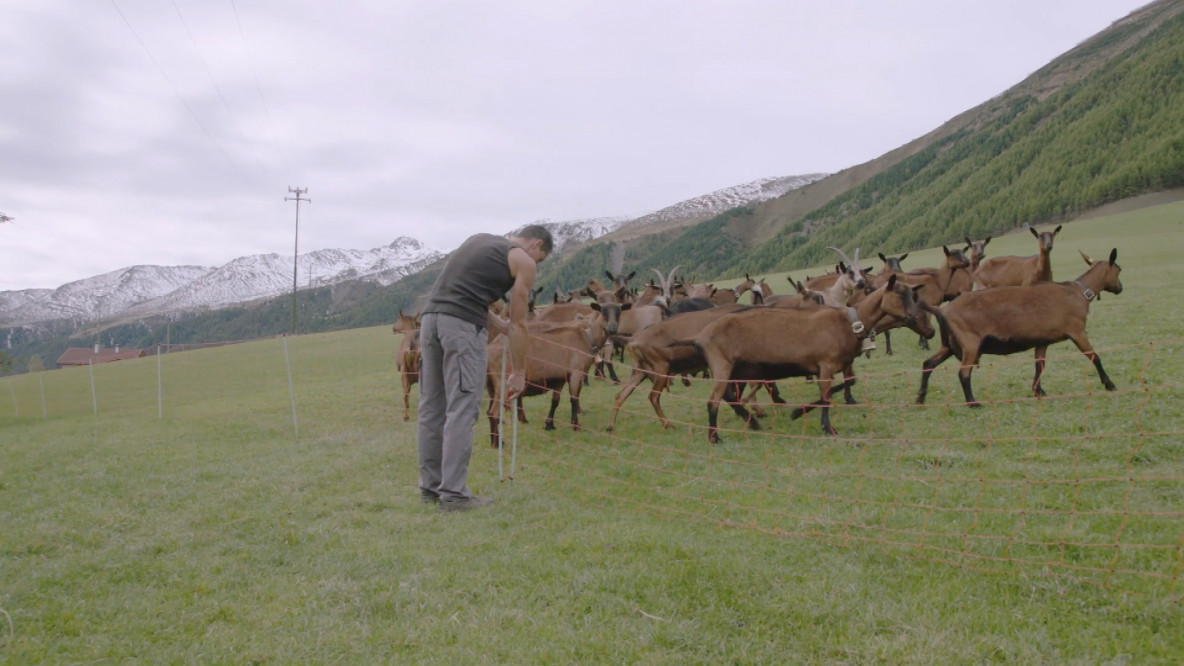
pixel 536 240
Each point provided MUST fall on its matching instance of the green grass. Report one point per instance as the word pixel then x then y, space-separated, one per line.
pixel 203 530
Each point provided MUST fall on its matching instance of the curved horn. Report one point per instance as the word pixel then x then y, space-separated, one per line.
pixel 841 253
pixel 670 278
pixel 857 257
pixel 661 279
pixel 1088 259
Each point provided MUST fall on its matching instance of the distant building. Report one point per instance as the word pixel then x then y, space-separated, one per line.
pixel 87 355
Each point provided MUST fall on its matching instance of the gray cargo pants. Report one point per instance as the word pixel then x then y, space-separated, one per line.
pixel 451 380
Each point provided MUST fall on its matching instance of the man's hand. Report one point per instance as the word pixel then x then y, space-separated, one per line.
pixel 515 385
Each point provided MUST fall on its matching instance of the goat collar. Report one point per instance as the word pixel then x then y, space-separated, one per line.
pixel 1086 291
pixel 857 326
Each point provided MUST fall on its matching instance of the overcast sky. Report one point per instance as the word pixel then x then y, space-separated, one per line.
pixel 168 131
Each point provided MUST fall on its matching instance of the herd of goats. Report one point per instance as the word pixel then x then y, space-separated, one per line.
pixel 671 327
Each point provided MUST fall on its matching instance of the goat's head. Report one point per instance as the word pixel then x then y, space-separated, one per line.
pixel 977 249
pixel 852 270
pixel 1111 282
pixel 611 312
pixel 892 263
pixel 1045 237
pixel 902 302
pixel 405 323
pixel 666 284
pixel 620 280
pixel 956 258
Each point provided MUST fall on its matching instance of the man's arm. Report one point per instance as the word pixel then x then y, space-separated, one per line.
pixel 523 268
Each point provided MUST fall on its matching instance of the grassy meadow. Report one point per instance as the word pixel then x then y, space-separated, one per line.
pixel 189 509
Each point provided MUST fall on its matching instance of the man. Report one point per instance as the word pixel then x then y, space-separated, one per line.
pixel 452 343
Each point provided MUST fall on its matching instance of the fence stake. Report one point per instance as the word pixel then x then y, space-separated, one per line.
pixel 94 397
pixel 501 416
pixel 41 381
pixel 159 387
pixel 291 390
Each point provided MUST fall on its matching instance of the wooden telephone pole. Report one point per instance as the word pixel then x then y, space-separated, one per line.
pixel 299 192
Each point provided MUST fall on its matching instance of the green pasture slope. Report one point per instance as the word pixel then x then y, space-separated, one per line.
pixel 192 525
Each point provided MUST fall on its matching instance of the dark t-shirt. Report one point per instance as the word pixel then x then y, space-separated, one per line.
pixel 476 275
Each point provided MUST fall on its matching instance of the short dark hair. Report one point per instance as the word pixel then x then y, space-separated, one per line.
pixel 539 232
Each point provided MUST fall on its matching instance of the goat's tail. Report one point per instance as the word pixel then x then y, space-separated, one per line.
pixel 947 340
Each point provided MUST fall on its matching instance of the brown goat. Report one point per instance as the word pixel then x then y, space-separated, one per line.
pixel 1018 271
pixel 559 353
pixel 656 358
pixel 1006 320
pixel 935 285
pixel 407 358
pixel 977 250
pixel 766 344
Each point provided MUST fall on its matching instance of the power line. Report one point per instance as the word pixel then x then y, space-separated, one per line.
pixel 214 82
pixel 259 88
pixel 181 97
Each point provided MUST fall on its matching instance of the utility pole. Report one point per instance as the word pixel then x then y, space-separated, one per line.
pixel 298 191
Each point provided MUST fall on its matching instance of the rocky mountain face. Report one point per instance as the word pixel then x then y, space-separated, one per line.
pixel 142 291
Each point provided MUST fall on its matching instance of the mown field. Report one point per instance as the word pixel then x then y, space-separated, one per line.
pixel 167 510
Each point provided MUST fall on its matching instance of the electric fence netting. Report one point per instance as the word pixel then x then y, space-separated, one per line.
pixel 1086 485
pixel 1082 486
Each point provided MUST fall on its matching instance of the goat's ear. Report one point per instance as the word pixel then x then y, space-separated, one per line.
pixel 969 243
pixel 986 240
pixel 946 250
pixel 609 276
pixel 1057 230
pixel 1113 256
pixel 626 306
pixel 630 275
pixel 882 257
pixel 595 306
pixel 1034 232
pixel 903 256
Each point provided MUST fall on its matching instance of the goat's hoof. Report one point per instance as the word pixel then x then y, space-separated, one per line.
pixel 974 405
pixel 851 401
pixel 713 438
pixel 550 425
pixel 797 413
pixel 1110 386
pixel 608 429
pixel 753 424
pixel 575 426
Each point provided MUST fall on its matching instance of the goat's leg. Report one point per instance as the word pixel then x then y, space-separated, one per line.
pixel 717 390
pixel 550 422
pixel 969 360
pixel 1086 348
pixel 660 383
pixel 494 420
pixel 623 394
pixel 750 400
pixel 888 343
pixel 521 410
pixel 824 388
pixel 732 397
pixel 1036 387
pixel 848 382
pixel 927 368
pixel 406 401
pixel 573 391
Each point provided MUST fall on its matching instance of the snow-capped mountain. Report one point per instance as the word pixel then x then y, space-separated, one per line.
pixel 149 290
pixel 141 291
pixel 714 203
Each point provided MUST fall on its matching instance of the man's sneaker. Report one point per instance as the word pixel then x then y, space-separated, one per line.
pixel 428 497
pixel 463 503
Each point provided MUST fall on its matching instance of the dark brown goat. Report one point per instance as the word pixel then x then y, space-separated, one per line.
pixel 655 356
pixel 1018 271
pixel 407 358
pixel 1006 320
pixel 559 353
pixel 766 344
